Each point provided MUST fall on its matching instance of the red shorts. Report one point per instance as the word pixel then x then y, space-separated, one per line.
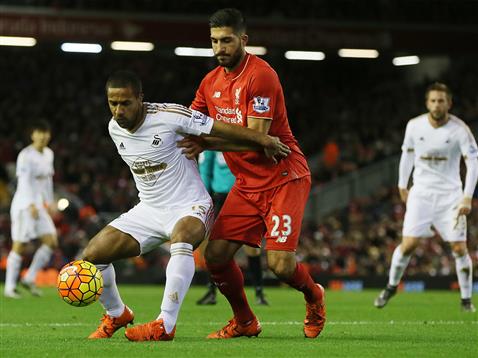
pixel 275 214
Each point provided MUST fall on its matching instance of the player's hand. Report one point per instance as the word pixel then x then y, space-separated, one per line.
pixel 34 211
pixel 465 206
pixel 275 149
pixel 192 145
pixel 403 194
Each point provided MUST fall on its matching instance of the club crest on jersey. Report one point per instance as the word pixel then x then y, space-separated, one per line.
pixel 156 141
pixel 261 104
pixel 217 94
pixel 237 95
pixel 199 118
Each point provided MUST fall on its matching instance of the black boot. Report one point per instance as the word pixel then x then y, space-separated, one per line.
pixel 210 297
pixel 260 298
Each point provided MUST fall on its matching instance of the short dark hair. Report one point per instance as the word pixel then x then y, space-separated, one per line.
pixel 40 125
pixel 441 87
pixel 123 79
pixel 228 17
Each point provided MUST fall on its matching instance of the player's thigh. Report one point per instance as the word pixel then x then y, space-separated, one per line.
pixel 150 227
pixel 23 226
pixel 109 245
pixel 189 229
pixel 221 251
pixel 190 224
pixel 241 219
pixel 450 226
pixel 44 225
pixel 252 251
pixel 418 215
pixel 286 211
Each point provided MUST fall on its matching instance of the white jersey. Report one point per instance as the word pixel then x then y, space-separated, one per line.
pixel 163 175
pixel 438 151
pixel 34 179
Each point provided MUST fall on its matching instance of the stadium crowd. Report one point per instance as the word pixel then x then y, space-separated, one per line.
pixel 377 11
pixel 346 115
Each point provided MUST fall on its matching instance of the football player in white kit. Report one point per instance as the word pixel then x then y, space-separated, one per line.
pixel 174 204
pixel 29 210
pixel 434 144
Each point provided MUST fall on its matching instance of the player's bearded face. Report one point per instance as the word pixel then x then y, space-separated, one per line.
pixel 125 106
pixel 228 47
pixel 438 105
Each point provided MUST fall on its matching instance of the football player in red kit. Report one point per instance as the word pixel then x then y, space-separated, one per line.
pixel 268 198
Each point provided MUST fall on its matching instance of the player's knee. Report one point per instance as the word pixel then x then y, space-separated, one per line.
pixel 18 247
pixel 213 255
pixel 458 249
pixel 51 241
pixel 283 269
pixel 91 254
pixel 408 246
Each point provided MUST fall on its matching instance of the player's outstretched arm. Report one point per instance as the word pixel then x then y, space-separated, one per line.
pixel 272 145
pixel 230 138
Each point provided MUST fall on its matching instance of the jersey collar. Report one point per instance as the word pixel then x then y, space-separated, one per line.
pixel 238 71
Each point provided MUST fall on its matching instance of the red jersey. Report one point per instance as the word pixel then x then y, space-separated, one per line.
pixel 252 90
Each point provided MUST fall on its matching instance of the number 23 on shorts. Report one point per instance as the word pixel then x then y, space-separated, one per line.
pixel 282 227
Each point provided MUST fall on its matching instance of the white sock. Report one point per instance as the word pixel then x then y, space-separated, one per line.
pixel 110 298
pixel 40 259
pixel 179 274
pixel 14 263
pixel 398 266
pixel 464 272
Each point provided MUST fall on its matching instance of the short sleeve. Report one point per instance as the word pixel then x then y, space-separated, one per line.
pixel 263 94
pixel 408 145
pixel 23 165
pixel 199 102
pixel 468 145
pixel 189 121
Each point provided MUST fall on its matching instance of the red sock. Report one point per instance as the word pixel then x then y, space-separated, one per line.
pixel 302 281
pixel 230 281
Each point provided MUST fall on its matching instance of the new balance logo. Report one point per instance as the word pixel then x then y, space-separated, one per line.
pixel 121 146
pixel 217 94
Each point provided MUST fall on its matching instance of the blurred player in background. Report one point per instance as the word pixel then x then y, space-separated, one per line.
pixel 218 180
pixel 434 144
pixel 267 200
pixel 174 204
pixel 30 210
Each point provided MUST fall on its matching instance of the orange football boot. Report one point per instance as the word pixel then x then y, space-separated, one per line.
pixel 151 331
pixel 315 316
pixel 234 330
pixel 110 325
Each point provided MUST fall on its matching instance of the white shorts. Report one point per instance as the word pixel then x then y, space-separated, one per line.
pixel 425 209
pixel 25 228
pixel 152 227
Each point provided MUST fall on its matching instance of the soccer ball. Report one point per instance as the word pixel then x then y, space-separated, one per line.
pixel 79 283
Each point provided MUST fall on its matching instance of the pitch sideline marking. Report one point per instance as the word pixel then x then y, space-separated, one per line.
pixel 267 323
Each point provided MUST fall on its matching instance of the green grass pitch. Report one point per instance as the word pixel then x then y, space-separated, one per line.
pixel 413 325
